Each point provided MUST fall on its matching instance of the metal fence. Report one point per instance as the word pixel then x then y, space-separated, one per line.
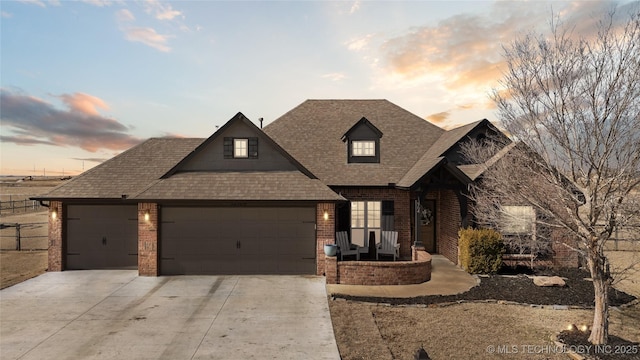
pixel 19 206
pixel 25 236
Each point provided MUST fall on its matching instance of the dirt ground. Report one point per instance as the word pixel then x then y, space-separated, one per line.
pixel 17 266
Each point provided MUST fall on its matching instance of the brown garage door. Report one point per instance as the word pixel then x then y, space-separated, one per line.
pixel 102 237
pixel 237 240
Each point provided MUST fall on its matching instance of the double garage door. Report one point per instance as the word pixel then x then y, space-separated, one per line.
pixel 223 240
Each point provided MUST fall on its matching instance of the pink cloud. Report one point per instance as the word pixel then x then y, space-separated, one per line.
pixel 84 103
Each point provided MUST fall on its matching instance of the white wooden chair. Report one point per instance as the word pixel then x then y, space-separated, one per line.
pixel 388 244
pixel 346 248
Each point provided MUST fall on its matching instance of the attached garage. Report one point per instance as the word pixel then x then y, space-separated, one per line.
pixel 237 240
pixel 102 237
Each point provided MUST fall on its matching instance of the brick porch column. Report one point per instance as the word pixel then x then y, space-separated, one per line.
pixel 148 239
pixel 325 232
pixel 56 245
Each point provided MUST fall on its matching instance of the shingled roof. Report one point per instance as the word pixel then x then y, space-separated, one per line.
pixel 312 133
pixel 127 173
pixel 153 171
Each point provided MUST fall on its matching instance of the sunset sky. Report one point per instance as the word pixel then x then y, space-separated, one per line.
pixel 82 81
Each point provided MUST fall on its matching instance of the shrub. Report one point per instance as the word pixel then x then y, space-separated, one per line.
pixel 480 250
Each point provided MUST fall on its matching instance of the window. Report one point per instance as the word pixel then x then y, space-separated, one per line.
pixel 363 148
pixel 365 218
pixel 240 148
pixel 518 220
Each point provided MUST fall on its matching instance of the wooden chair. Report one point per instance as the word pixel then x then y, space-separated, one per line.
pixel 388 244
pixel 346 248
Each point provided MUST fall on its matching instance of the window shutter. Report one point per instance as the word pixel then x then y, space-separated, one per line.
pixel 253 148
pixel 228 147
pixel 388 222
pixel 387 207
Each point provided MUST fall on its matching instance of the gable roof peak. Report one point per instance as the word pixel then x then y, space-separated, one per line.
pixel 362 122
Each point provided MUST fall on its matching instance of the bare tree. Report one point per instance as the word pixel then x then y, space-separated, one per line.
pixel 571 106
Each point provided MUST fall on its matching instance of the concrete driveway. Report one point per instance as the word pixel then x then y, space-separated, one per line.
pixel 115 314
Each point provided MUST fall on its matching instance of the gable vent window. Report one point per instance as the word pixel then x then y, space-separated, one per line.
pixel 240 148
pixel 363 148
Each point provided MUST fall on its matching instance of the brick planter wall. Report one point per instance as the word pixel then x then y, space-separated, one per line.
pixel 148 240
pixel 379 272
pixel 56 236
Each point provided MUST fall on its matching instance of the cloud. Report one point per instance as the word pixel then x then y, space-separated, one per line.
pixel 355 7
pixel 439 117
pixel 149 37
pixel 34 121
pixel 358 44
pixel 95 160
pixel 334 76
pixel 6 15
pixel 83 103
pixel 34 2
pixel 24 140
pixel 145 35
pixel 161 11
pixel 124 16
pixel 465 51
pixel 98 3
pixel 41 3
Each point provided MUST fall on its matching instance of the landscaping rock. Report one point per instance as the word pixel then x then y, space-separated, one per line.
pixel 548 281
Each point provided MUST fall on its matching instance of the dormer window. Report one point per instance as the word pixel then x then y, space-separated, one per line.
pixel 363 148
pixel 363 142
pixel 240 148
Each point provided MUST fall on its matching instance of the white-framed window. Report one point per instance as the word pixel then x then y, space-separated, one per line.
pixel 363 148
pixel 365 218
pixel 240 148
pixel 518 220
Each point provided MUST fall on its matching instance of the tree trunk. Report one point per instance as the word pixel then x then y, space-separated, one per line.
pixel 601 282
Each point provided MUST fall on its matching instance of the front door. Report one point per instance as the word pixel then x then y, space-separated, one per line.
pixel 427 220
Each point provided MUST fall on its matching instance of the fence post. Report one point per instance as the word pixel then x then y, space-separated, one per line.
pixel 18 237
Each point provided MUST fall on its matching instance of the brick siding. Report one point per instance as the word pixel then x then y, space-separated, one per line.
pixel 56 236
pixel 325 233
pixel 449 223
pixel 148 240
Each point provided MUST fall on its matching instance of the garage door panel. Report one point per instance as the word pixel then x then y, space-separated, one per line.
pixel 237 240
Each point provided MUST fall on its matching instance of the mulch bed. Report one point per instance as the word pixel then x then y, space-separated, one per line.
pixel 519 289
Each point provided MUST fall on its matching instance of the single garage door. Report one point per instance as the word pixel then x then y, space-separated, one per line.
pixel 102 237
pixel 237 240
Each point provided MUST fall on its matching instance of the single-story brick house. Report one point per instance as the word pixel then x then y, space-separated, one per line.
pixel 265 201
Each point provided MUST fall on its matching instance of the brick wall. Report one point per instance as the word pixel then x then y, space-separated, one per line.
pixel 401 209
pixel 148 240
pixel 56 236
pixel 448 224
pixel 379 272
pixel 325 232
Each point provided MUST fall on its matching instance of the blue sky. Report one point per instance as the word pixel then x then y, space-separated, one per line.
pixel 84 80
